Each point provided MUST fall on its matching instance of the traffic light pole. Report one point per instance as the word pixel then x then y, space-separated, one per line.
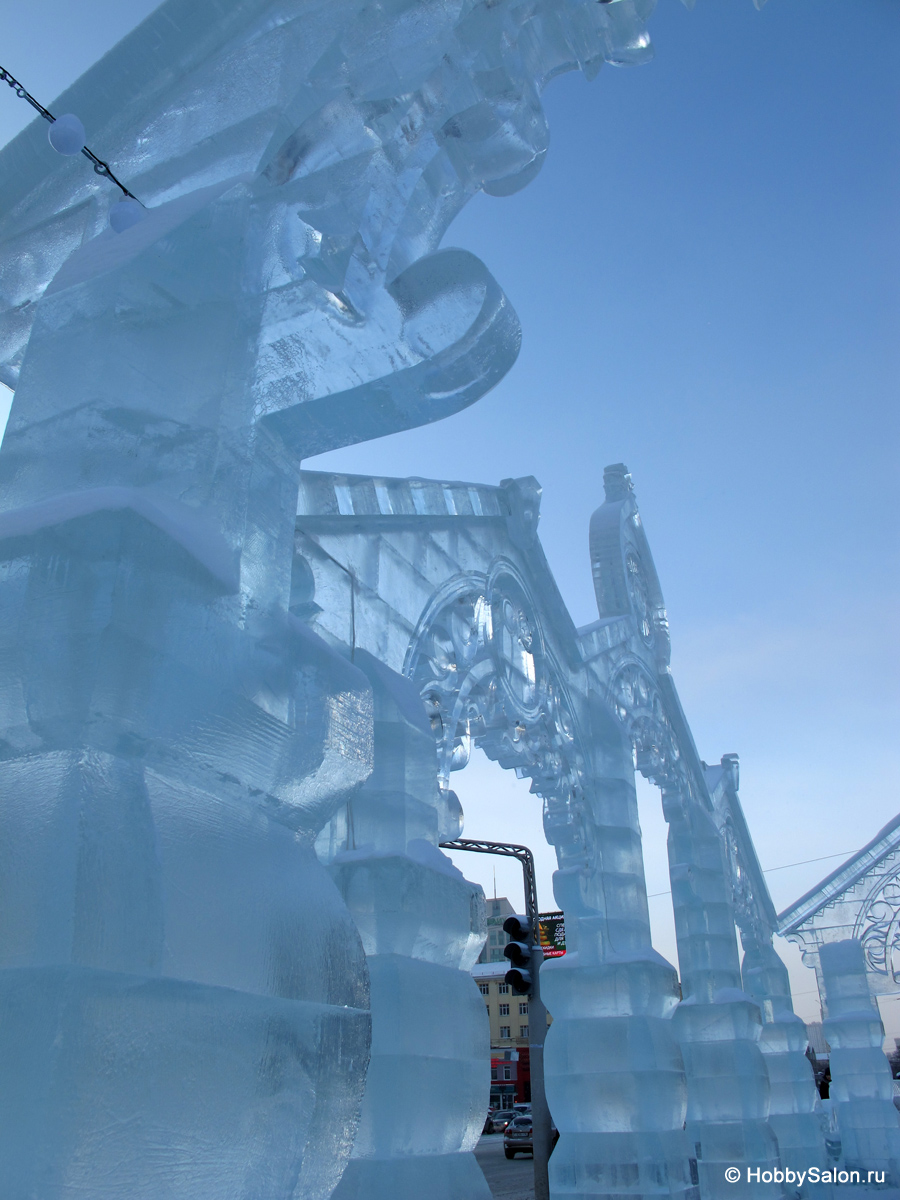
pixel 537 1014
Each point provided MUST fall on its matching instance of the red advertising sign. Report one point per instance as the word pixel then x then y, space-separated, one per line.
pixel 553 934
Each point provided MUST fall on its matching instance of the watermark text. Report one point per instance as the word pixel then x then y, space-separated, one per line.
pixel 812 1175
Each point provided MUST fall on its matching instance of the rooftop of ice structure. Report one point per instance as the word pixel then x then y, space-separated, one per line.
pixel 325 494
pixel 879 851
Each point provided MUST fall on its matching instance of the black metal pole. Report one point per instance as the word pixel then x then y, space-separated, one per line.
pixel 537 1013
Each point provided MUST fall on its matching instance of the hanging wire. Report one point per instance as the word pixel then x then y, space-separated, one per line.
pixel 100 167
pixel 769 870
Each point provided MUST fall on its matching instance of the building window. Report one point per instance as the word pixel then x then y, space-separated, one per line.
pixel 493 1072
pixel 484 988
pixel 503 989
pixel 504 1010
pixel 504 1031
pixel 523 1009
pixel 523 1031
pixel 507 1072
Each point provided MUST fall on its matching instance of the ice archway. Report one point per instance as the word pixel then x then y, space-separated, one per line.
pixel 446 585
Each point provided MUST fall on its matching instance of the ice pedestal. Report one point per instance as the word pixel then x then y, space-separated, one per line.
pixel 861 1085
pixel 183 995
pixel 718 1026
pixel 422 926
pixel 613 1071
pixel 783 1042
pixel 614 1079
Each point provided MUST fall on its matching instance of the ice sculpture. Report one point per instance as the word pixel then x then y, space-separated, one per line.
pixel 446 582
pixel 183 991
pixel 718 1025
pixel 856 905
pixel 861 1084
pixel 794 1099
pixel 422 927
pixel 793 1114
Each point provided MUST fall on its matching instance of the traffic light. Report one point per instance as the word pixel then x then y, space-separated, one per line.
pixel 519 952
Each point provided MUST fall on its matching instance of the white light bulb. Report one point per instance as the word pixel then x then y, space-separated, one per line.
pixel 125 214
pixel 67 135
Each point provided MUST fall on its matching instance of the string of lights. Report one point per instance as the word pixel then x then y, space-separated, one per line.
pixel 100 167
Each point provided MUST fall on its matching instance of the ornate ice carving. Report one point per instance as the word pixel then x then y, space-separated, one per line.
pixel 481 664
pixel 640 708
pixel 639 590
pixel 741 886
pixel 878 927
pixel 625 579
pixel 753 908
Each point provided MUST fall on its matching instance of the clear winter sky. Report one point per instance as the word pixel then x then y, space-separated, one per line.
pixel 706 274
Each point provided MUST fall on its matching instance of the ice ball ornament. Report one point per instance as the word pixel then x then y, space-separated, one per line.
pixel 67 135
pixel 125 214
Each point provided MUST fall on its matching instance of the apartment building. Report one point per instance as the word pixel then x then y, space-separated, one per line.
pixel 507 1012
pixel 498 909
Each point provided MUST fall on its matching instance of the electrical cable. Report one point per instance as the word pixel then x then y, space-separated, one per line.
pixel 784 867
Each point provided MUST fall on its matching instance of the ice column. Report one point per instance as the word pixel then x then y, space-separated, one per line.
pixel 422 926
pixel 614 1075
pixel 717 1024
pixel 861 1086
pixel 183 994
pixel 783 1042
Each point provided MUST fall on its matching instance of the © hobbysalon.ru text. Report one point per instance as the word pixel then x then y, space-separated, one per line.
pixel 811 1175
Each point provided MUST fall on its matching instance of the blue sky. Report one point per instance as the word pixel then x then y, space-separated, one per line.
pixel 706 274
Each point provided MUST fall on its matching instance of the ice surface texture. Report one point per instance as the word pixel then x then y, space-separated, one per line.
pixel 183 990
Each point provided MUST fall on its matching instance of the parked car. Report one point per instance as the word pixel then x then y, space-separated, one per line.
pixel 501 1118
pixel 517 1136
